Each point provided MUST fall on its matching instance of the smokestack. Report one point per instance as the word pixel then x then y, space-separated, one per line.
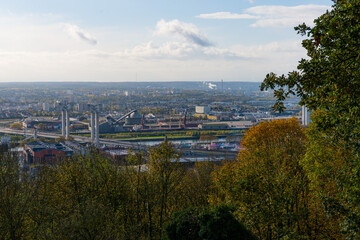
pixel 67 124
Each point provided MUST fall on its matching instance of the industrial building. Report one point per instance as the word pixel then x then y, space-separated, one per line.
pixel 47 124
pixel 226 125
pixel 133 119
pixel 108 127
pixel 40 152
pixel 124 123
pixel 213 126
pixel 202 109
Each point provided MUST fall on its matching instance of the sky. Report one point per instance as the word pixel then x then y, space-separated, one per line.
pixel 151 40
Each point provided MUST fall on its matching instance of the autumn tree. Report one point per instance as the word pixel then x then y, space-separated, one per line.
pixel 63 139
pixel 267 183
pixel 328 82
pixel 91 197
pixel 41 126
pixel 17 125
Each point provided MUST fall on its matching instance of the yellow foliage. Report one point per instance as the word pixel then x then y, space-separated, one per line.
pixel 17 125
pixel 269 186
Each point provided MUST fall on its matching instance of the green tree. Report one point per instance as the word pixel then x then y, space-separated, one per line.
pixel 184 225
pixel 82 198
pixel 166 173
pixel 213 223
pixel 328 81
pixel 15 195
pixel 197 185
pixel 327 166
pixel 329 78
pixel 156 182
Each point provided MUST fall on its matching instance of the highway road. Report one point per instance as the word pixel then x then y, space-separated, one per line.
pixel 76 138
pixel 124 144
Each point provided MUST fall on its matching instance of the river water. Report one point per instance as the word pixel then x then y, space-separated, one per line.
pixel 187 141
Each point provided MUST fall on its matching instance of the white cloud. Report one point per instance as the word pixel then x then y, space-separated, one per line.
pixel 269 50
pixel 169 61
pixel 170 51
pixel 283 16
pixel 178 51
pixel 189 51
pixel 167 50
pixel 43 52
pixel 285 11
pixel 36 33
pixel 79 34
pixel 227 15
pixel 274 16
pixel 187 30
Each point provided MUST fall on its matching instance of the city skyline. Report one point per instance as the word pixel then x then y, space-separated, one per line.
pixel 151 40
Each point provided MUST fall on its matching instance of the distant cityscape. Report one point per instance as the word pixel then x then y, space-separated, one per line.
pixel 203 119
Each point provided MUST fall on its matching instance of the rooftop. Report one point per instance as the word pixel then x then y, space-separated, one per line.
pixel 41 145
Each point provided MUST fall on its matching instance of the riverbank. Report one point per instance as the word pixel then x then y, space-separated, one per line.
pixel 145 139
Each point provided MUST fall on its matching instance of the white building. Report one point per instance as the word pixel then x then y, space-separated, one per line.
pixel 45 106
pixel 202 109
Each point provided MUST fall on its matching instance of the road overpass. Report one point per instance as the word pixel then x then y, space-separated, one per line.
pixel 124 144
pixel 193 153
